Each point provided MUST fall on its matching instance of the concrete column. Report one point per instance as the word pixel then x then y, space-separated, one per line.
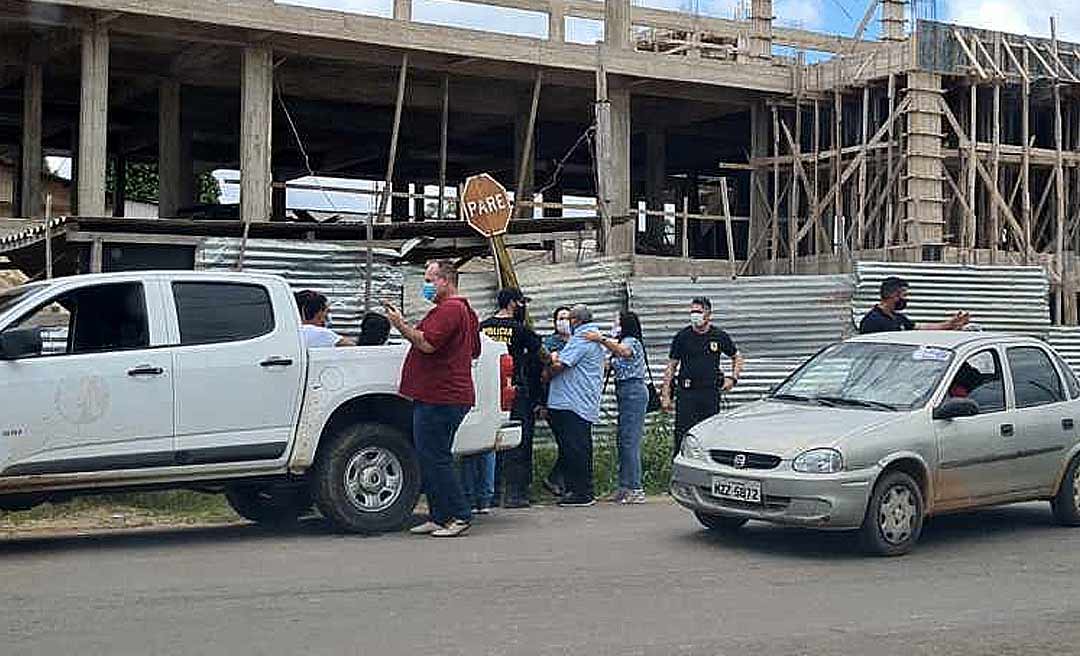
pixel 169 151
pixel 925 204
pixel 760 211
pixel 761 32
pixel 621 240
pixel 556 21
pixel 617 23
pixel 119 199
pixel 403 10
pixel 655 177
pixel 399 205
pixel 93 121
pixel 278 199
pixel 892 20
pixel 256 106
pixel 30 203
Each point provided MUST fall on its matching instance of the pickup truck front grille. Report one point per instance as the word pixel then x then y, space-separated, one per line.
pixel 747 461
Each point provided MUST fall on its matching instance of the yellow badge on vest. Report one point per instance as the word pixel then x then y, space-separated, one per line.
pixel 714 347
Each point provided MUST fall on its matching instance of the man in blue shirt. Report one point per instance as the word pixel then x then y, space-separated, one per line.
pixel 574 405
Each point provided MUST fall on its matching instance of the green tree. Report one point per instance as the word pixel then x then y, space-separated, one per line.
pixel 141 184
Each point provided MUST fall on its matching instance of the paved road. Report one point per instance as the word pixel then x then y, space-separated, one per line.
pixel 604 580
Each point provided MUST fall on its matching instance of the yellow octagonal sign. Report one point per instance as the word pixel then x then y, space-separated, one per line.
pixel 485 205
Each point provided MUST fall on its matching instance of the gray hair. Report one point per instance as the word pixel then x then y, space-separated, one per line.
pixel 581 313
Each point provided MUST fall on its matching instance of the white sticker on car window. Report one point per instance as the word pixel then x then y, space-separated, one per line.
pixel 924 353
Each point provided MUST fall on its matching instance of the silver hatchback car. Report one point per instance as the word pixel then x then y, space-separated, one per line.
pixel 881 431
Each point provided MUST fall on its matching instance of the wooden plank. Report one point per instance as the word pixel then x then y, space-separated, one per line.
pixel 524 165
pixel 726 207
pixel 774 242
pixel 861 222
pixel 1025 171
pixel 444 132
pixel 972 59
pixel 395 131
pixel 890 207
pixel 1020 68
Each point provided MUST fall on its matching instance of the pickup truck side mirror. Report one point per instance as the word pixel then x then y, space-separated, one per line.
pixel 15 344
pixel 953 408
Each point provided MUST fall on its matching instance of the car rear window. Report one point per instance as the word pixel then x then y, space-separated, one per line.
pixel 211 313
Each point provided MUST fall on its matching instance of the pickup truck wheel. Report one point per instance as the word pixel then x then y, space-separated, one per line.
pixel 720 523
pixel 367 479
pixel 1066 503
pixel 275 505
pixel 894 516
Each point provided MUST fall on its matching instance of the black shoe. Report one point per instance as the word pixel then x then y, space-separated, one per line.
pixel 516 503
pixel 555 489
pixel 576 501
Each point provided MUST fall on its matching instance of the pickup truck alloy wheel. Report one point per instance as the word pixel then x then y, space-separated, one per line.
pixel 894 515
pixel 366 478
pixel 373 479
pixel 1066 503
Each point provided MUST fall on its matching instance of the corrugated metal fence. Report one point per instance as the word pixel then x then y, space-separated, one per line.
pixel 1012 299
pixel 336 270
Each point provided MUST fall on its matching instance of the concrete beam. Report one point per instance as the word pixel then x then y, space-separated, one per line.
pixel 30 173
pixel 93 121
pixel 169 150
pixel 256 108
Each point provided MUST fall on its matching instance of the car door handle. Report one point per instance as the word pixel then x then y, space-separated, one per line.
pixel 1007 430
pixel 1067 424
pixel 276 362
pixel 145 370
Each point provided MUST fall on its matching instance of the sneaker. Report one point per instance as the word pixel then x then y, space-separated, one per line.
pixel 618 496
pixel 576 501
pixel 516 503
pixel 483 510
pixel 634 497
pixel 454 529
pixel 427 528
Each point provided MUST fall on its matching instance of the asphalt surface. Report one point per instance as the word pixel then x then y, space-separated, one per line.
pixel 603 580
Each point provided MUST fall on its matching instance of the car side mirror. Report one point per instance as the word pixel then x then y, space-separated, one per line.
pixel 15 344
pixel 954 408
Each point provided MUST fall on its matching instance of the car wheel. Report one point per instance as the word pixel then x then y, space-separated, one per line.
pixel 894 516
pixel 720 523
pixel 275 505
pixel 367 479
pixel 1066 503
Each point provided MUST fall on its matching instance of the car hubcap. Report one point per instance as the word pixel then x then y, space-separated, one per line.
pixel 896 517
pixel 373 479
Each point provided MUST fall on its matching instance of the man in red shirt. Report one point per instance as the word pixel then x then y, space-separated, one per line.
pixel 437 376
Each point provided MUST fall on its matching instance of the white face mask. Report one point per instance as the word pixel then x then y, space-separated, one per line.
pixel 562 326
pixel 616 330
pixel 697 319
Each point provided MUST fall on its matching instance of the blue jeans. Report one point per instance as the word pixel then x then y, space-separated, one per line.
pixel 633 397
pixel 434 427
pixel 478 479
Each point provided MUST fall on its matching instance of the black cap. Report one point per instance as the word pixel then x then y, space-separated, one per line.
pixel 509 295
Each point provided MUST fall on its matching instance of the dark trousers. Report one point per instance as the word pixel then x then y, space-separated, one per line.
pixel 693 406
pixel 434 427
pixel 514 467
pixel 574 437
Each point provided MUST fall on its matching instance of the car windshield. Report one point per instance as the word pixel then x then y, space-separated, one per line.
pixel 9 298
pixel 884 377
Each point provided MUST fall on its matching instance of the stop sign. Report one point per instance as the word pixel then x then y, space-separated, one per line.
pixel 485 205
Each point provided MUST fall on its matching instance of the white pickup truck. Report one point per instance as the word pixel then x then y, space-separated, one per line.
pixel 196 380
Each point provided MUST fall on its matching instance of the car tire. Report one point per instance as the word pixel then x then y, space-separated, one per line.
pixel 894 516
pixel 1066 503
pixel 273 505
pixel 720 523
pixel 367 479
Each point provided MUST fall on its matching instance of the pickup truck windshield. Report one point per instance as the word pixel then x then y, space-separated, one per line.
pixel 886 377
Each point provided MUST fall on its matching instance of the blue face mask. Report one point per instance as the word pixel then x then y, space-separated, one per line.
pixel 428 292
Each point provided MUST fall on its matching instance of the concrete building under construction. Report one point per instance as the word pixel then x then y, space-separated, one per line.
pixel 735 146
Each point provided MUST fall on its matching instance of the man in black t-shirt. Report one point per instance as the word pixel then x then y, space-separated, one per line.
pixel 508 326
pixel 694 370
pixel 886 316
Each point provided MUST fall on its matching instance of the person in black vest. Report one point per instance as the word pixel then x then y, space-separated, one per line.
pixel 694 369
pixel 886 316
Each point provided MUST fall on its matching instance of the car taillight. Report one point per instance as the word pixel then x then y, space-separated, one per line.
pixel 507 393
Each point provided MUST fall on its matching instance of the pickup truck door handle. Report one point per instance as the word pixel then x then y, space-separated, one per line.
pixel 145 370
pixel 1067 424
pixel 1007 430
pixel 276 362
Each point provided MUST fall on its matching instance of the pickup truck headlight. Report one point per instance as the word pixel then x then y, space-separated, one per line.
pixel 692 448
pixel 819 461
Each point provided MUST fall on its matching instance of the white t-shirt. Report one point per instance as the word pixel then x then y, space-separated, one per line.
pixel 318 337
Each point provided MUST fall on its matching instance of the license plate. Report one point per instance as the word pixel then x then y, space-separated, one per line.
pixel 737 489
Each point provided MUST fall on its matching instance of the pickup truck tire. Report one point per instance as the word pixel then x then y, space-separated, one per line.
pixel 275 505
pixel 367 479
